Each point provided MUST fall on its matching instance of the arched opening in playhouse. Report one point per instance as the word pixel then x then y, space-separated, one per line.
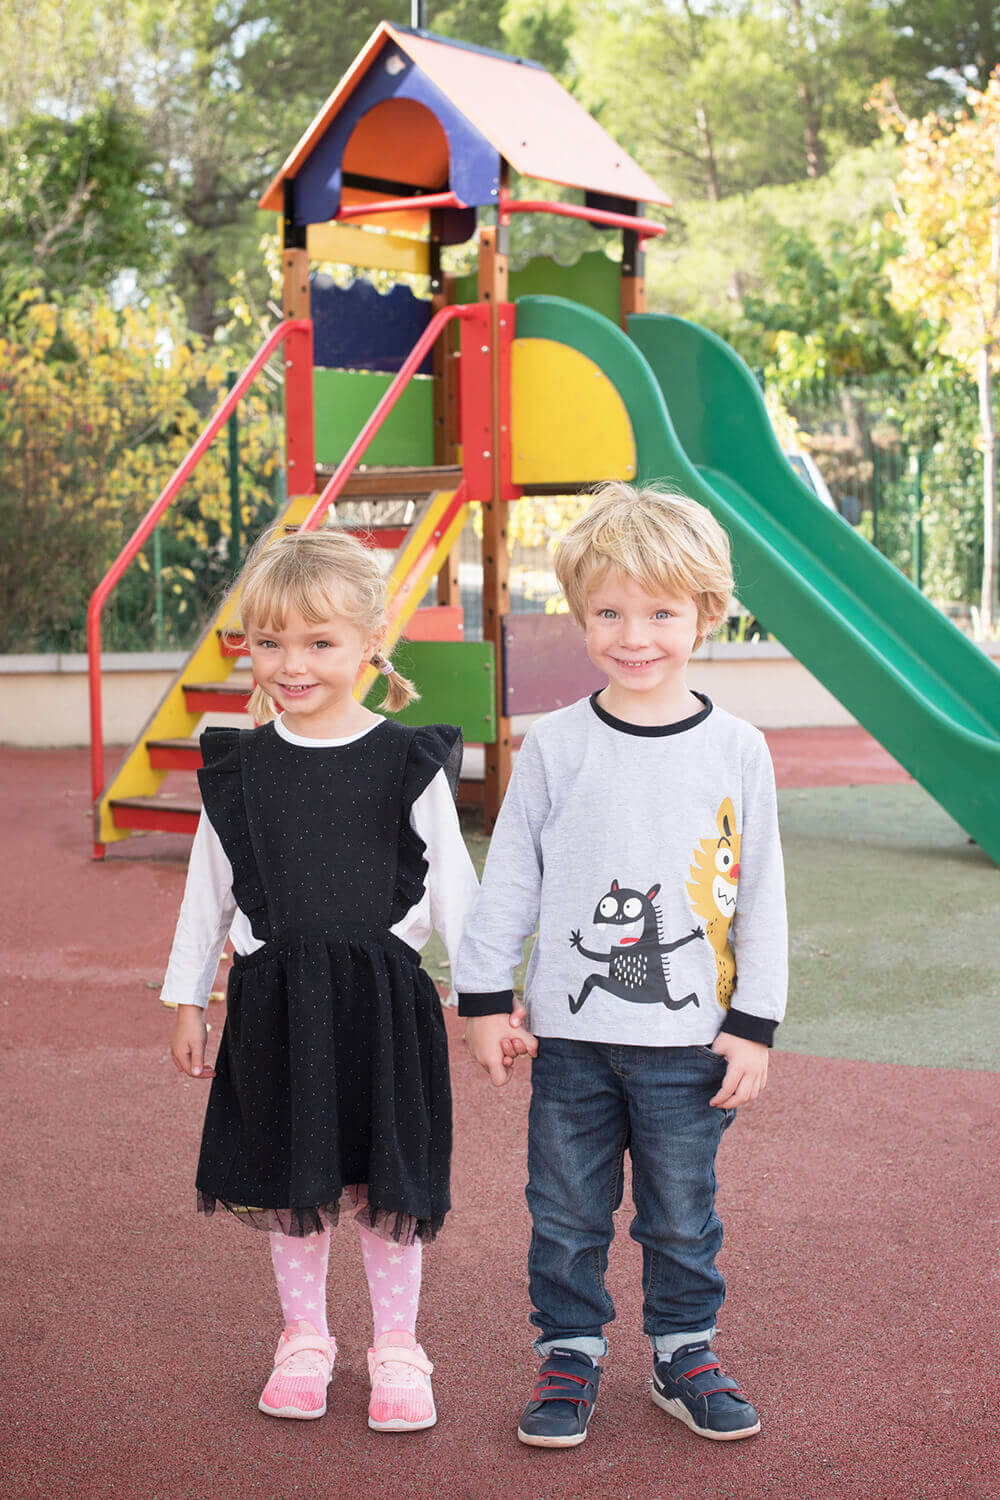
pixel 406 133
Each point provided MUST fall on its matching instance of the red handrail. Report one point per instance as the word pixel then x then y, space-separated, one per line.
pixel 647 229
pixel 329 494
pixel 399 205
pixel 145 528
pixel 408 368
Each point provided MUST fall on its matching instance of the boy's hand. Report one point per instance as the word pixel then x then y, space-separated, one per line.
pixel 746 1071
pixel 187 1045
pixel 494 1042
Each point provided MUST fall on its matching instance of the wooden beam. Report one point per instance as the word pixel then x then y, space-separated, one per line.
pixel 492 283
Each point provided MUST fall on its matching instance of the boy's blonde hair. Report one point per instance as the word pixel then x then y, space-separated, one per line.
pixel 316 574
pixel 664 542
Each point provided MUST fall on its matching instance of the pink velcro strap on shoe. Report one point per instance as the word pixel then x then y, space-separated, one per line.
pixel 301 1341
pixel 415 1357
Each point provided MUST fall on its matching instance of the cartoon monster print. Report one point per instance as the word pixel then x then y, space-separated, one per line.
pixel 638 967
pixel 715 871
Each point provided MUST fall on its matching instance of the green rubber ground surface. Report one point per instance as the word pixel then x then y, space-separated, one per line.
pixel 894 932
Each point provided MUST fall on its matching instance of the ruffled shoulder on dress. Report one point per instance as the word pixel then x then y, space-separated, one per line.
pixel 221 782
pixel 432 748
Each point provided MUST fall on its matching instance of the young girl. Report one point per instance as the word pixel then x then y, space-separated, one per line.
pixel 328 847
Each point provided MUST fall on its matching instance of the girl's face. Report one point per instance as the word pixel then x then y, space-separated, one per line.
pixel 309 670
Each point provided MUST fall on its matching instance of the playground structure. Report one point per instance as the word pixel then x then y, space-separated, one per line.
pixel 510 383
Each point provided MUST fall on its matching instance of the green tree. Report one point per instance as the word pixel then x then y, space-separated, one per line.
pixel 75 208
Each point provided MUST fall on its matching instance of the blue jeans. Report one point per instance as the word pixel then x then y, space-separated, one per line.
pixel 590 1103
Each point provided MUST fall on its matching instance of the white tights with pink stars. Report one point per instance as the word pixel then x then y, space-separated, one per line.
pixel 393 1273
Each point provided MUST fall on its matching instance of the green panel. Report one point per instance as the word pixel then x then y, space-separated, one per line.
pixel 925 691
pixel 594 281
pixel 456 681
pixel 345 399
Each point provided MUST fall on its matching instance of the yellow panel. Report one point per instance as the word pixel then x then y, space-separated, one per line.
pixel 172 719
pixel 347 245
pixel 568 423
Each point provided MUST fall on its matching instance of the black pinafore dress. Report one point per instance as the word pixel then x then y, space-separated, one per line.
pixel 332 1071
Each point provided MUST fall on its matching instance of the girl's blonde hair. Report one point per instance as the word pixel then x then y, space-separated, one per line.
pixel 316 574
pixel 665 542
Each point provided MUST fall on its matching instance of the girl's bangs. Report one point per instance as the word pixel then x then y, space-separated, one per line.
pixel 270 598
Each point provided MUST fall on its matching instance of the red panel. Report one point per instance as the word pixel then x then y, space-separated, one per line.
pixel 545 664
pixel 508 490
pixel 476 404
pixel 300 452
pixel 439 622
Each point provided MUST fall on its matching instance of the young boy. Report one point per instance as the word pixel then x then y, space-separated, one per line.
pixel 632 820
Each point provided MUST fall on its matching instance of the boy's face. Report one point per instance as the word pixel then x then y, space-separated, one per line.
pixel 641 641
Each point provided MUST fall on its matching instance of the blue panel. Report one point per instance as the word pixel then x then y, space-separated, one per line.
pixel 475 164
pixel 359 328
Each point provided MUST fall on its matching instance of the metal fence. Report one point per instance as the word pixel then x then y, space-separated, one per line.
pixel 905 451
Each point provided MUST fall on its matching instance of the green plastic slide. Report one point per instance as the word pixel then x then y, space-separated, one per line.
pixel 925 691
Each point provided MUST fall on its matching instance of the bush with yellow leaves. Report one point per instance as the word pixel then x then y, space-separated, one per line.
pixel 98 406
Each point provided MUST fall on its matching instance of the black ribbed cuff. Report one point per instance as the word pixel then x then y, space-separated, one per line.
pixel 496 1003
pixel 750 1028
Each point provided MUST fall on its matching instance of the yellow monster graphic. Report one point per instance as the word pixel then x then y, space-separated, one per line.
pixel 715 873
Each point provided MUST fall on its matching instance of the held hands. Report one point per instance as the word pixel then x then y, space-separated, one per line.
pixel 746 1070
pixel 187 1045
pixel 495 1042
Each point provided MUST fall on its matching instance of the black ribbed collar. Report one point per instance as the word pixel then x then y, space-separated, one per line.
pixel 646 730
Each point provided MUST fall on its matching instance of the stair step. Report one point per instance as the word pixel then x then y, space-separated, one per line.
pixel 216 697
pixel 390 483
pixel 155 813
pixel 174 755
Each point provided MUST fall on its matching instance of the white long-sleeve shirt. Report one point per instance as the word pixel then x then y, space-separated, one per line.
pixel 649 860
pixel 209 913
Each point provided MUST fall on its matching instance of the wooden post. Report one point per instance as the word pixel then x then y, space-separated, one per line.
pixel 633 272
pixel 443 367
pixel 496 561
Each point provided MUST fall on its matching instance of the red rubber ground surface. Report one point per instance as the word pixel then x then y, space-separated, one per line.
pixel 861 1252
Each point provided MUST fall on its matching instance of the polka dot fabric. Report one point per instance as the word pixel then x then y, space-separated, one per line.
pixel 333 1065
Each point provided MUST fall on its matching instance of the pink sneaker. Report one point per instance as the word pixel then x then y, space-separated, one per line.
pixel 402 1400
pixel 303 1364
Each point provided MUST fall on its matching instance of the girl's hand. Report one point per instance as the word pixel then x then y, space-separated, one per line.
pixel 187 1045
pixel 486 1038
pixel 746 1070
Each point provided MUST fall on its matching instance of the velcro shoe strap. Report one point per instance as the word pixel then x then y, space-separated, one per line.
pixel 415 1357
pixel 302 1341
pixel 557 1381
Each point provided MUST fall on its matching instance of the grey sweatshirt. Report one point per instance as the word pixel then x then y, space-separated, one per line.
pixel 649 860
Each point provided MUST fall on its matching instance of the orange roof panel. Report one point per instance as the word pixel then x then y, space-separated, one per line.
pixel 530 119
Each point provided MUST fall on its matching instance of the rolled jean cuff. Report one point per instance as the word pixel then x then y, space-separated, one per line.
pixel 666 1345
pixel 585 1343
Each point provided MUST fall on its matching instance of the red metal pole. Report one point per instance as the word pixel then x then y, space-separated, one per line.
pixel 647 229
pixel 400 205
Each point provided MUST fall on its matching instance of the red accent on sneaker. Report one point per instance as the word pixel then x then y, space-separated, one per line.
pixel 690 1374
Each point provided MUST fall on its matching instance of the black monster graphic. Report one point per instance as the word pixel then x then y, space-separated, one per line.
pixel 637 970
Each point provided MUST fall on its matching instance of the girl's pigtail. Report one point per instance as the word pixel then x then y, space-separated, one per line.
pixel 261 706
pixel 399 689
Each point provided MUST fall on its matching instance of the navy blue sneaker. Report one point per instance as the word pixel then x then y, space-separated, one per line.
pixel 561 1402
pixel 691 1386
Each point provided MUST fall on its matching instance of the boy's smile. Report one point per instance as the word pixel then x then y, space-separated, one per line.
pixel 642 642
